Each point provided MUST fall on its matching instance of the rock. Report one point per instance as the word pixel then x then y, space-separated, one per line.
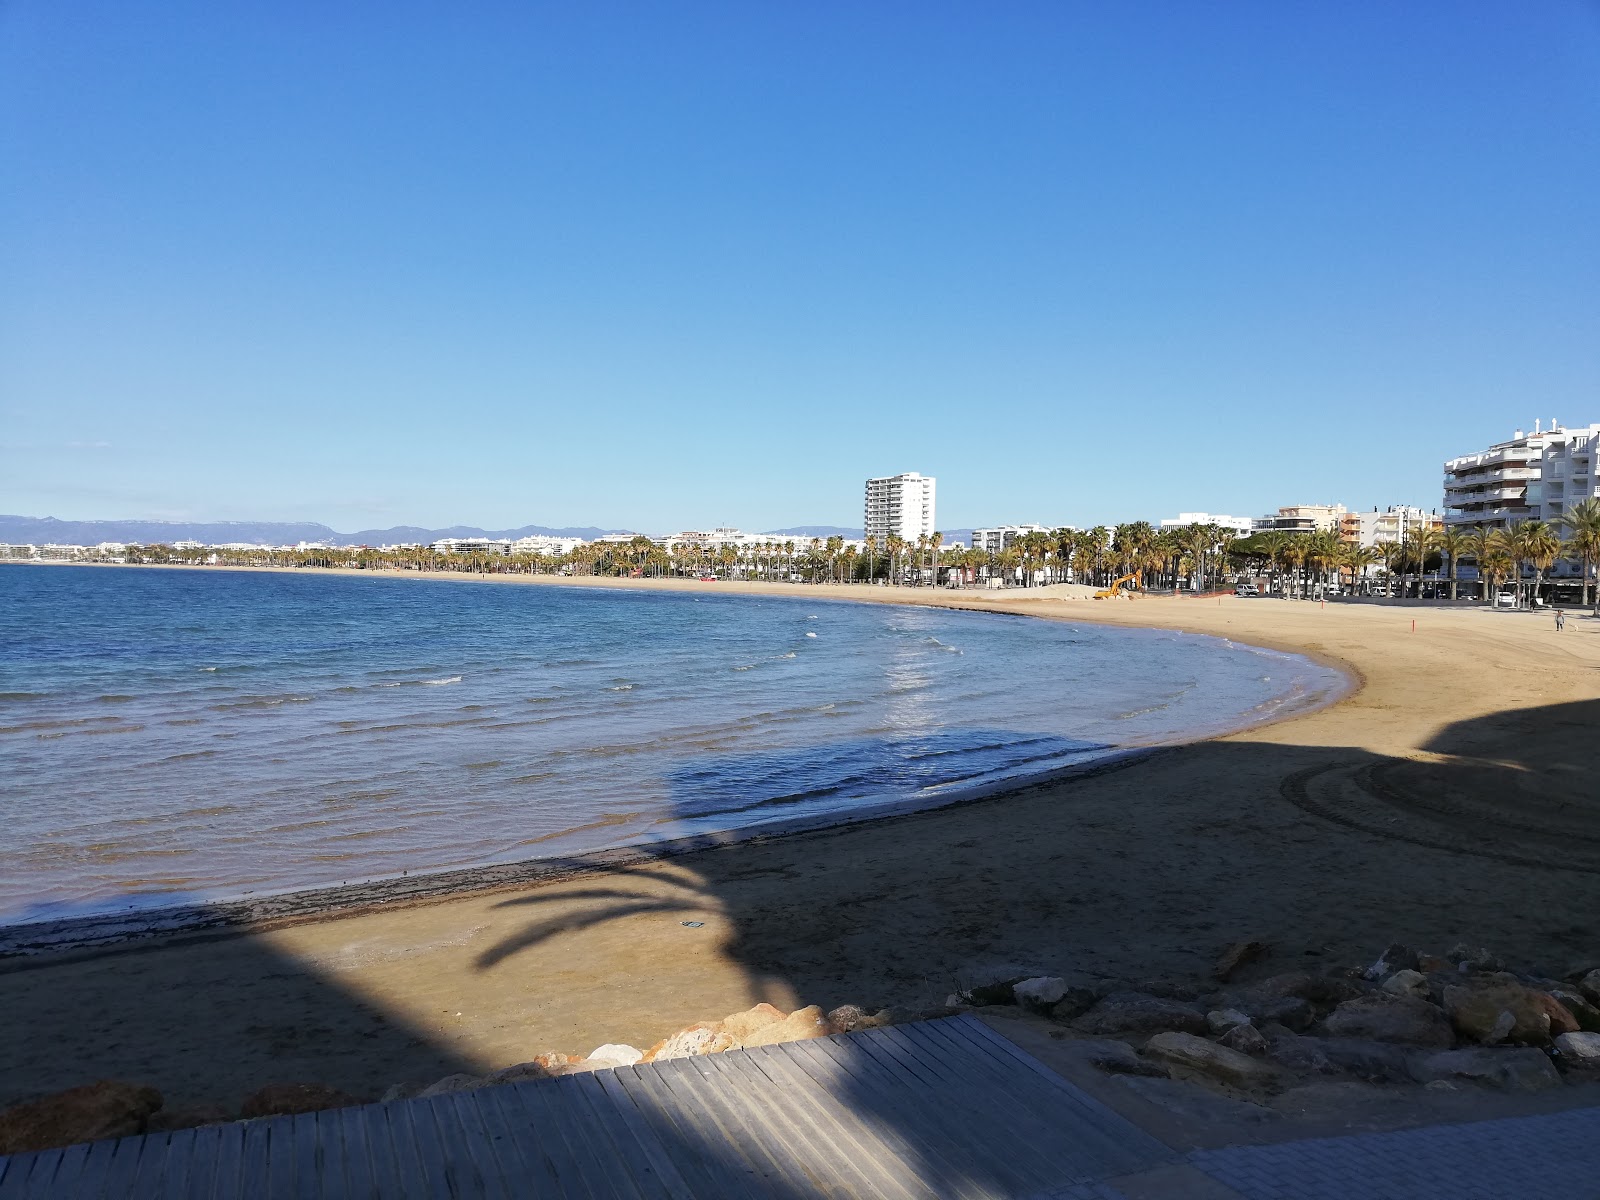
pixel 614 1054
pixel 1430 964
pixel 1395 958
pixel 1580 1052
pixel 1298 1053
pixel 1589 985
pixel 1509 1068
pixel 287 1099
pixel 1376 1062
pixel 1561 1019
pixel 1475 1010
pixel 191 1116
pixel 808 1022
pixel 1381 1017
pixel 1220 1020
pixel 105 1109
pixel 998 992
pixel 1585 1014
pixel 1407 982
pixel 545 1066
pixel 1317 989
pixel 1041 993
pixel 741 1025
pixel 1246 1039
pixel 1140 1013
pixel 1185 1054
pixel 459 1082
pixel 400 1091
pixel 1112 1057
pixel 1238 955
pixel 1470 959
pixel 705 1037
pixel 1076 1002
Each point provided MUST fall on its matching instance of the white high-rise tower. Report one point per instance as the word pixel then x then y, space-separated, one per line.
pixel 901 505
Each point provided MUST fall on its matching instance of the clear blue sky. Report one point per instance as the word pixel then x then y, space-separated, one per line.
pixel 668 265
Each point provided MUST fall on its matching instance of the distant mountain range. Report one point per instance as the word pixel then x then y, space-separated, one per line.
pixel 39 531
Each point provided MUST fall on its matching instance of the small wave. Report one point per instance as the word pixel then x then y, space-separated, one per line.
pixel 209 668
pixel 621 687
pixel 788 655
pixel 811 635
pixel 440 682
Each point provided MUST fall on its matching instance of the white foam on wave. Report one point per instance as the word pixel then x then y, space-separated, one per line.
pixel 811 635
pixel 440 682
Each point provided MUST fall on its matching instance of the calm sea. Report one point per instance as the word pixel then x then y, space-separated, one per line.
pixel 178 734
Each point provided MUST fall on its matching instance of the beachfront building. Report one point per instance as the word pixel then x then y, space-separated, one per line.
pixel 996 539
pixel 546 545
pixel 1533 476
pixel 1239 525
pixel 1393 524
pixel 472 546
pixel 899 506
pixel 1301 518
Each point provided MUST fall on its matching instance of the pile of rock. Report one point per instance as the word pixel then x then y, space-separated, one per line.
pixel 1407 1018
pixel 109 1108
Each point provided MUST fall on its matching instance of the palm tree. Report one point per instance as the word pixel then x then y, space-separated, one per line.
pixel 1357 559
pixel 1538 544
pixel 1417 542
pixel 1582 521
pixel 1452 541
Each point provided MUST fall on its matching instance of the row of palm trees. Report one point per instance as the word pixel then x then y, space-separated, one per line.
pixel 1196 556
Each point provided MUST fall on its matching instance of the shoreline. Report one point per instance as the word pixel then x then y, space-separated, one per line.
pixel 226 915
pixel 1449 798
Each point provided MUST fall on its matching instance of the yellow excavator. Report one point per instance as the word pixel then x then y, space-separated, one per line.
pixel 1115 590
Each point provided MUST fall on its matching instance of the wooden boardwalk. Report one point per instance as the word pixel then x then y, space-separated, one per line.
pixel 943 1108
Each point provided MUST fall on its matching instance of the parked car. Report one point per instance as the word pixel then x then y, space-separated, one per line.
pixel 1505 600
pixel 1246 589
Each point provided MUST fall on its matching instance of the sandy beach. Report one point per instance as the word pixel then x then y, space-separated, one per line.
pixel 1453 795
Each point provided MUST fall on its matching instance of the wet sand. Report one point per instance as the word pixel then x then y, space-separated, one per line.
pixel 1453 795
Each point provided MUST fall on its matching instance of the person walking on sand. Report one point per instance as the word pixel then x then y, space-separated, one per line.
pixel 1561 619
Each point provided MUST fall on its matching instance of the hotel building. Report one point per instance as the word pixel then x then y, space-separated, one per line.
pixel 993 541
pixel 1534 476
pixel 1394 524
pixel 899 506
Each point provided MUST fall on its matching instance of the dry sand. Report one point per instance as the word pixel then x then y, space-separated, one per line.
pixel 1453 795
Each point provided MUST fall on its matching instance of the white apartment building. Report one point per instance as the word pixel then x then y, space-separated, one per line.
pixel 1302 518
pixel 472 546
pixel 1393 524
pixel 996 539
pixel 545 544
pixel 1239 525
pixel 1534 476
pixel 899 505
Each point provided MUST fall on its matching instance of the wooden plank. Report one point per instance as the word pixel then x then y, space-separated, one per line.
pixel 741 1115
pixel 253 1166
pixel 574 1176
pixel 608 1168
pixel 929 1136
pixel 442 1170
pixel 348 1173
pixel 228 1177
pixel 92 1173
pixel 830 1172
pixel 475 1148
pixel 401 1143
pixel 688 1137
pixel 30 1176
pixel 631 1157
pixel 669 1180
pixel 535 1172
pixel 992 1116
pixel 839 1125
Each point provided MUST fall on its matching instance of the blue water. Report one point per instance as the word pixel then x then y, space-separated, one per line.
pixel 172 734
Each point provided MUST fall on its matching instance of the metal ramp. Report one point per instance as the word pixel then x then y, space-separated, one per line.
pixel 944 1108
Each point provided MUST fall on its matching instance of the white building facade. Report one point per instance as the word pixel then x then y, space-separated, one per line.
pixel 996 539
pixel 900 506
pixel 1240 525
pixel 1533 476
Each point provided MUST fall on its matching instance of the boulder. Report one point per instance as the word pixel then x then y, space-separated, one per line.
pixel 1246 1039
pixel 1299 1053
pixel 1140 1013
pixel 1220 1020
pixel 1184 1055
pixel 288 1099
pixel 1381 1017
pixel 400 1091
pixel 741 1025
pixel 1577 1004
pixel 1561 1018
pixel 1041 993
pixel 1113 1057
pixel 613 1054
pixel 1324 990
pixel 544 1066
pixel 1395 958
pixel 1407 982
pixel 1510 1068
pixel 705 1037
pixel 1580 1052
pixel 1375 1062
pixel 985 994
pixel 1589 985
pixel 1238 955
pixel 1430 964
pixel 105 1109
pixel 459 1082
pixel 803 1023
pixel 1473 959
pixel 1074 1003
pixel 1475 1010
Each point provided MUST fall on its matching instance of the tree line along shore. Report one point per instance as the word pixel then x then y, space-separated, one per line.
pixel 1196 557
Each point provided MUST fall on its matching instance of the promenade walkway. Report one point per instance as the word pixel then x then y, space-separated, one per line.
pixel 945 1108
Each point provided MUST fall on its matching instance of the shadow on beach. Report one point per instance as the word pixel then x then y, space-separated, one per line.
pixel 1492 835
